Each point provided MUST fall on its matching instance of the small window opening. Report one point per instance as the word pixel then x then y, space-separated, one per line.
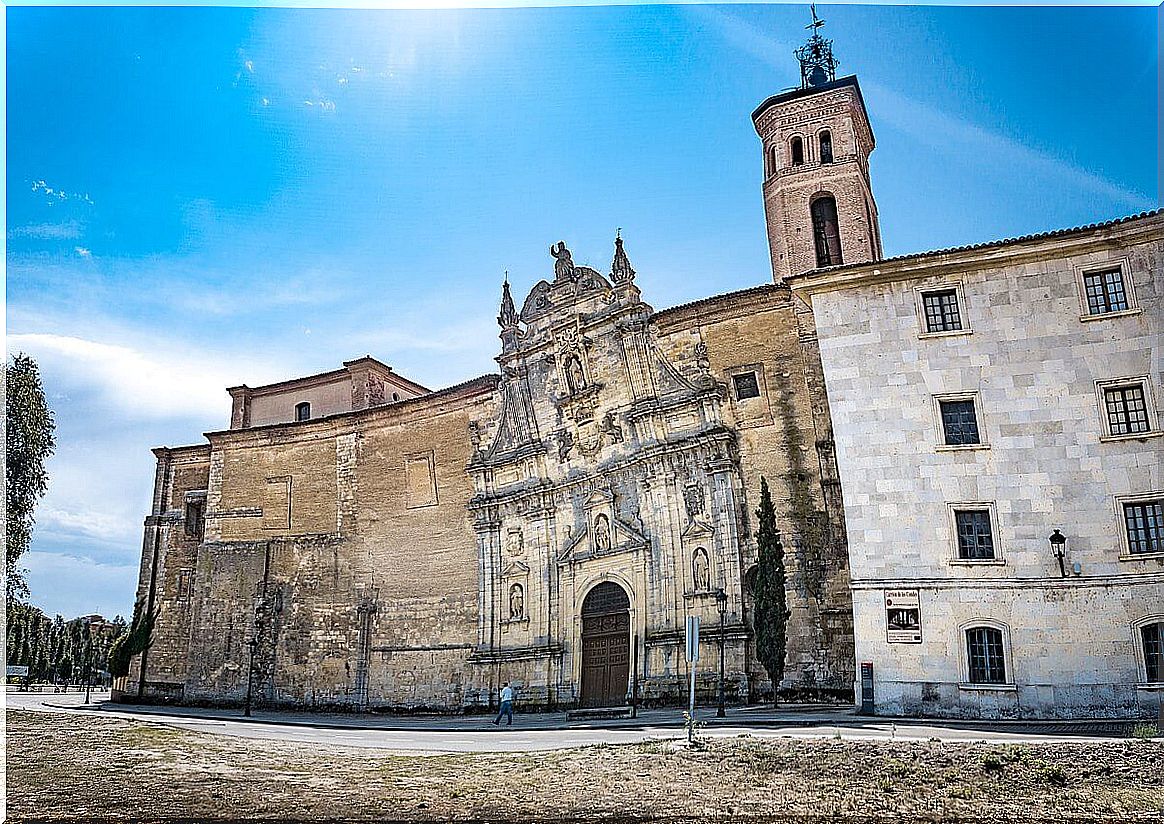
pixel 826 147
pixel 746 386
pixel 303 411
pixel 797 152
pixel 826 231
pixel 987 664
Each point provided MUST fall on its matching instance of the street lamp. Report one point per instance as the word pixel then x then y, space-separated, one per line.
pixel 1058 540
pixel 88 624
pixel 721 599
pixel 254 645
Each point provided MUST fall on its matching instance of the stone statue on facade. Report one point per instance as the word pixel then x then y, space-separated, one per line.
pixel 563 261
pixel 516 603
pixel 601 534
pixel 701 570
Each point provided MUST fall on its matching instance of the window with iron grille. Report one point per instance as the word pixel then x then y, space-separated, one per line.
pixel 1145 523
pixel 1153 638
pixel 941 310
pixel 984 655
pixel 746 386
pixel 303 411
pixel 1105 292
pixel 1127 412
pixel 959 423
pixel 975 542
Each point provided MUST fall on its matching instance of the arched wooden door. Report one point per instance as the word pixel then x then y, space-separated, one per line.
pixel 605 646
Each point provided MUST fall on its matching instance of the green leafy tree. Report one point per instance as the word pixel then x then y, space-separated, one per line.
pixel 28 427
pixel 772 611
pixel 133 641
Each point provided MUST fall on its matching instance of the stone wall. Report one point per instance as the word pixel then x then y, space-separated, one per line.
pixel 1033 361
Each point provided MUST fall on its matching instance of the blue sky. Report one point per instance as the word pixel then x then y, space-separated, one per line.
pixel 202 197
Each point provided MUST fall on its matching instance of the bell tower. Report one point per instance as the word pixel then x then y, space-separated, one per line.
pixel 816 142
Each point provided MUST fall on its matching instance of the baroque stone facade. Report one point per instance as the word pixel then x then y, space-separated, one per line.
pixel 418 552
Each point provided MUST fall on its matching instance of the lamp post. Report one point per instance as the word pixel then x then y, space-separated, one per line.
pixel 88 624
pixel 1058 540
pixel 253 644
pixel 721 600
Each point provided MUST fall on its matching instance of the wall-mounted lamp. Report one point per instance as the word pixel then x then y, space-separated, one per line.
pixel 1058 542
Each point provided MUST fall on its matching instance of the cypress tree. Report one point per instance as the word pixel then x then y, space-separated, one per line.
pixel 772 611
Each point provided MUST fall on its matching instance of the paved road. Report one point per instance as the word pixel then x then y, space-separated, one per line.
pixel 549 731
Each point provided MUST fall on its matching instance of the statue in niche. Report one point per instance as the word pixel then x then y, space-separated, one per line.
pixel 701 570
pixel 601 534
pixel 516 603
pixel 575 377
pixel 611 429
pixel 563 261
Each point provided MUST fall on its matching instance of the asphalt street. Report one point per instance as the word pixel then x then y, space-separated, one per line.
pixel 548 731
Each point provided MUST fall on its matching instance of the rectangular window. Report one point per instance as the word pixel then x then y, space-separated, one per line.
pixel 984 655
pixel 975 542
pixel 959 423
pixel 1153 637
pixel 1145 523
pixel 195 511
pixel 941 311
pixel 1105 292
pixel 1127 412
pixel 746 386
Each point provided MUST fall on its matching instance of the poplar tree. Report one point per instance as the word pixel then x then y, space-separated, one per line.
pixel 28 427
pixel 772 611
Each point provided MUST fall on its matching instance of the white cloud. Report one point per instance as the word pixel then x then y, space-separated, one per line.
pixel 102 526
pixel 137 383
pixel 70 230
pixel 72 585
pixel 55 195
pixel 82 251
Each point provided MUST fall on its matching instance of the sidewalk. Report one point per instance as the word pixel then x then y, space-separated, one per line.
pixel 803 716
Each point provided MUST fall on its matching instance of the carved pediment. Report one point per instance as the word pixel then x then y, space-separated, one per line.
pixel 515 570
pixel 587 544
pixel 697 530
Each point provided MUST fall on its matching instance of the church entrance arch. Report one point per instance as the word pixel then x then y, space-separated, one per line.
pixel 605 646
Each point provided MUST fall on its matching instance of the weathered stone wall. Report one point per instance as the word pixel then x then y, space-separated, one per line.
pixel 1033 361
pixel 785 436
pixel 166 577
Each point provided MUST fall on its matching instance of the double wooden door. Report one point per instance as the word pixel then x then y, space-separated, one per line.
pixel 605 659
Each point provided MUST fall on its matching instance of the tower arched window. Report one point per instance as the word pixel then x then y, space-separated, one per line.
pixel 826 147
pixel 797 147
pixel 826 232
pixel 772 165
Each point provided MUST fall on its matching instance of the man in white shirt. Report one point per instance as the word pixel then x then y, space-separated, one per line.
pixel 506 706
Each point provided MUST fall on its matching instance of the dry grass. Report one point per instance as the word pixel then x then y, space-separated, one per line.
pixel 72 767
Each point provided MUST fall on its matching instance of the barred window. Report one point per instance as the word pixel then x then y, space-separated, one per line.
pixel 1127 413
pixel 975 542
pixel 746 386
pixel 303 411
pixel 1145 523
pixel 941 310
pixel 984 655
pixel 1153 638
pixel 1105 292
pixel 959 423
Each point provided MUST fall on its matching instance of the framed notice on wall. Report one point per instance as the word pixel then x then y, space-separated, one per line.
pixel 903 616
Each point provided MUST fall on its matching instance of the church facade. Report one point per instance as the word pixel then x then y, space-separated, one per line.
pixel 355 540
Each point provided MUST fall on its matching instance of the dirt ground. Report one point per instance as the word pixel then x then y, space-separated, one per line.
pixel 83 768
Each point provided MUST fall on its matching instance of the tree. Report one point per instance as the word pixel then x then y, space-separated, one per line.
pixel 772 611
pixel 133 641
pixel 28 427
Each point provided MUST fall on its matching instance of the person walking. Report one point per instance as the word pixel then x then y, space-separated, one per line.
pixel 506 706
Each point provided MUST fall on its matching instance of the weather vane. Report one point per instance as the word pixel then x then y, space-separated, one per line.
pixel 816 21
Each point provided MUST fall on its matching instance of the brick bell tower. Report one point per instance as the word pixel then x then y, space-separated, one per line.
pixel 816 141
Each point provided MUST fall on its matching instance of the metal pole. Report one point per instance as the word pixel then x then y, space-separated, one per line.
pixel 250 679
pixel 722 643
pixel 88 659
pixel 635 676
pixel 691 708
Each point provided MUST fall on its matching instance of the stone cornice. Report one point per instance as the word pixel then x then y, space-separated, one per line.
pixel 993 255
